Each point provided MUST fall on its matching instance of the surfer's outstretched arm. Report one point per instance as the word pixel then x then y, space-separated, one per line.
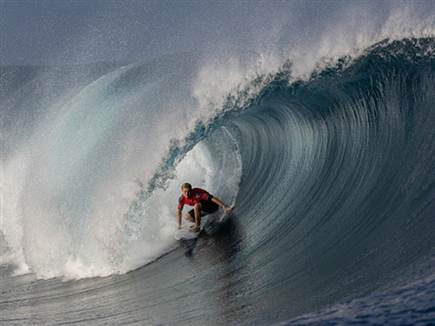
pixel 226 208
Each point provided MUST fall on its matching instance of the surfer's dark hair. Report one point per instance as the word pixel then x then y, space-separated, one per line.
pixel 186 185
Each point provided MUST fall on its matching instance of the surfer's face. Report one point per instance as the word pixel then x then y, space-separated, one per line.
pixel 185 192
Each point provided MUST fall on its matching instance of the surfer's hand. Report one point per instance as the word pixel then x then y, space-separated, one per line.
pixel 228 210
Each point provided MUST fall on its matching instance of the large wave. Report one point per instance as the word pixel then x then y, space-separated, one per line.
pixel 337 191
pixel 332 175
pixel 335 172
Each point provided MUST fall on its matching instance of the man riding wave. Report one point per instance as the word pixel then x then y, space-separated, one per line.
pixel 203 203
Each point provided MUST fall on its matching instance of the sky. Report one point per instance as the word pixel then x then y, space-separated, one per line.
pixel 85 31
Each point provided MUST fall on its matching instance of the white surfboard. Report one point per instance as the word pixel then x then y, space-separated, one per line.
pixel 209 224
pixel 185 234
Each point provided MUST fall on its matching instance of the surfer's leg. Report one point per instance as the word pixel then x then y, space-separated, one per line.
pixel 197 209
pixel 190 216
pixel 209 207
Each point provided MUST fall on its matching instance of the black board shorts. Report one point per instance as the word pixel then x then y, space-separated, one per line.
pixel 207 207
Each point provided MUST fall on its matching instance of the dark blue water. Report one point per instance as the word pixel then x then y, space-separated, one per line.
pixel 335 211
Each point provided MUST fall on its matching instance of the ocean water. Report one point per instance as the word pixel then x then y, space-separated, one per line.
pixel 332 175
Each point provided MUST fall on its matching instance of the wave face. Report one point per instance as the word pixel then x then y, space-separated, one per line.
pixel 337 192
pixel 333 179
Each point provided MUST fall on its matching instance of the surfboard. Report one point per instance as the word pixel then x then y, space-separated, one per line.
pixel 209 224
pixel 185 234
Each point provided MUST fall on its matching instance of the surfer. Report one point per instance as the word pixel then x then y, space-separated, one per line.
pixel 203 203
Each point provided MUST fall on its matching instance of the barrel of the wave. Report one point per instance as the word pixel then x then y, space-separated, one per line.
pixel 205 212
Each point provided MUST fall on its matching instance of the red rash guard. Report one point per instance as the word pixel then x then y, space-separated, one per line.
pixel 197 195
